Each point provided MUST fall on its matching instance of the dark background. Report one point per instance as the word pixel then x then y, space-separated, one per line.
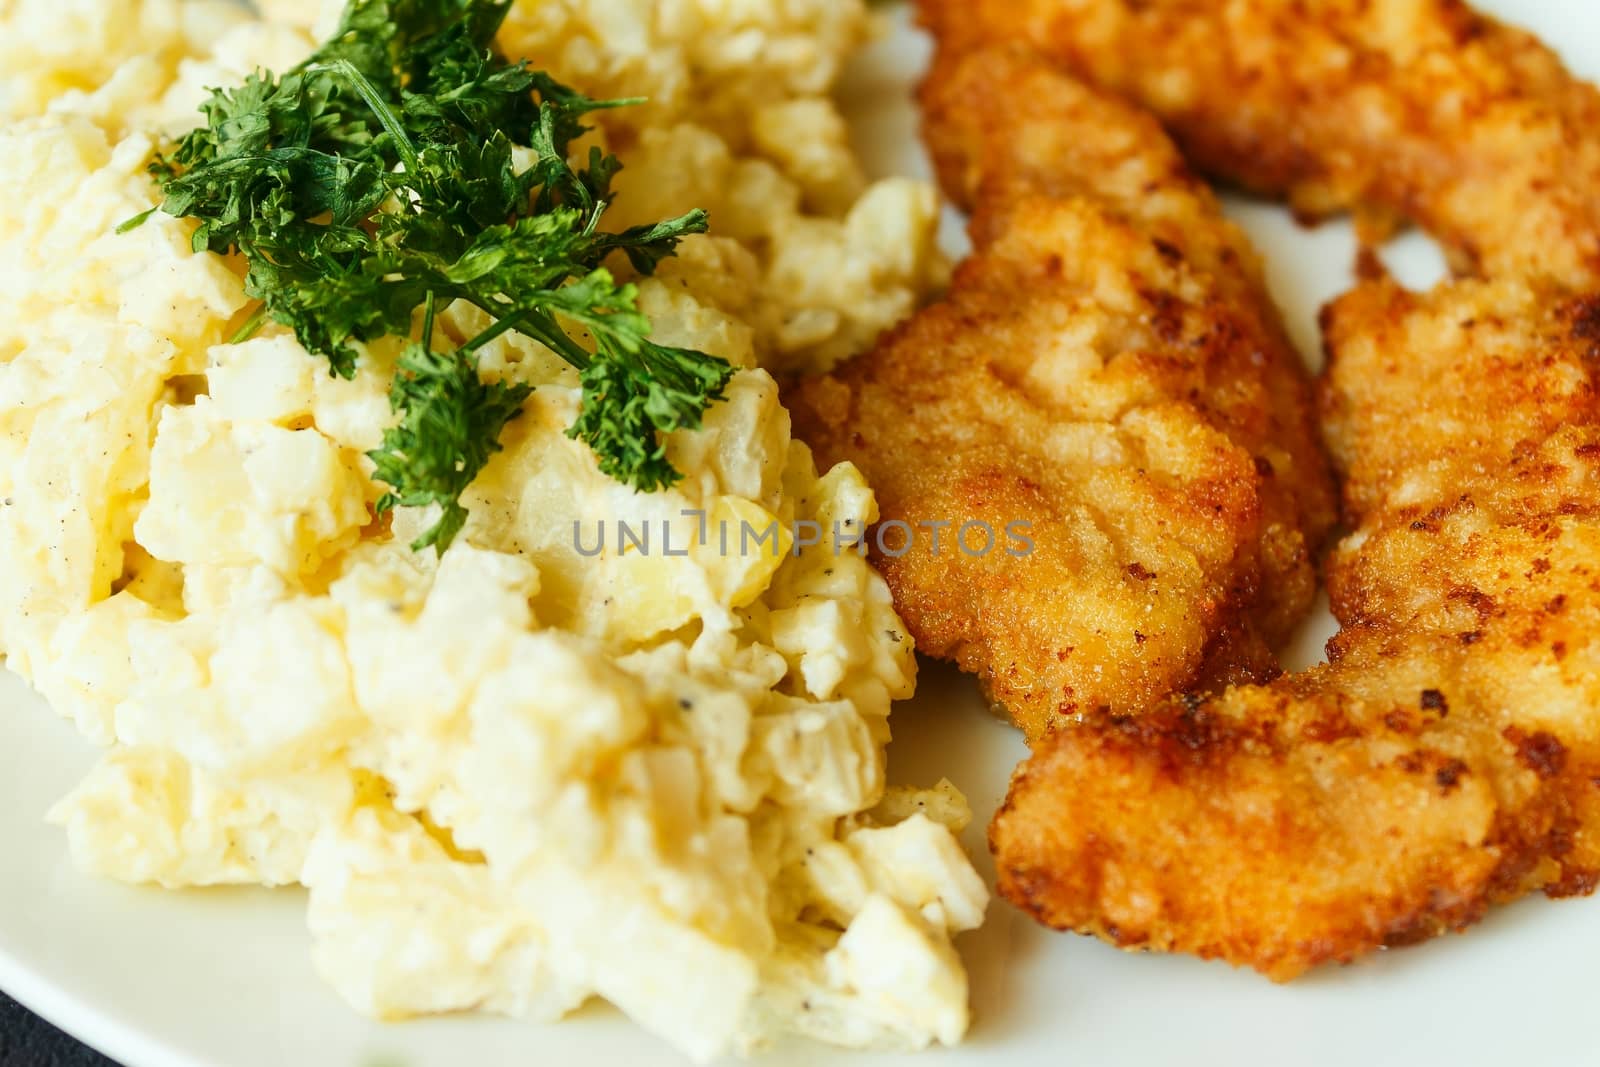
pixel 28 1041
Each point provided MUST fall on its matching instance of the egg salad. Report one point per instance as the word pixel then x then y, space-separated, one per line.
pixel 536 768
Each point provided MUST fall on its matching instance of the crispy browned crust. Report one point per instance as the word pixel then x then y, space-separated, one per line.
pixel 1107 370
pixel 1002 127
pixel 1423 110
pixel 1447 758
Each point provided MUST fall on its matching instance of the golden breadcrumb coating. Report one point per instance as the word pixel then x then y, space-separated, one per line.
pixel 1105 369
pixel 1448 757
pixel 1407 109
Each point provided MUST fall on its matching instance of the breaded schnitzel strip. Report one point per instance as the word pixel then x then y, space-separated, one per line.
pixel 1002 128
pixel 1448 757
pixel 1418 109
pixel 1105 370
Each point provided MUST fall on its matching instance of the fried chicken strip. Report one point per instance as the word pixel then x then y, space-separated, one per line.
pixel 1448 757
pixel 1423 110
pixel 1107 377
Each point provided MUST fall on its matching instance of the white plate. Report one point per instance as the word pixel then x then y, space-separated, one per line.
pixel 223 979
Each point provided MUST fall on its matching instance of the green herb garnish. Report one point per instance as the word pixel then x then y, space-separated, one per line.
pixel 376 179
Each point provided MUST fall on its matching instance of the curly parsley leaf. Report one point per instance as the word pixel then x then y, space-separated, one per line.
pixel 450 425
pixel 379 178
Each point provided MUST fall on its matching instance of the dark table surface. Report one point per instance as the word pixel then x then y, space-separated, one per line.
pixel 28 1041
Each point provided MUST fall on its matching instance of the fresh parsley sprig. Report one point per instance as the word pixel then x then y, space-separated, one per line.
pixel 379 178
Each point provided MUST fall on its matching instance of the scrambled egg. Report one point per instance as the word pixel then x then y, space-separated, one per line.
pixel 526 774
